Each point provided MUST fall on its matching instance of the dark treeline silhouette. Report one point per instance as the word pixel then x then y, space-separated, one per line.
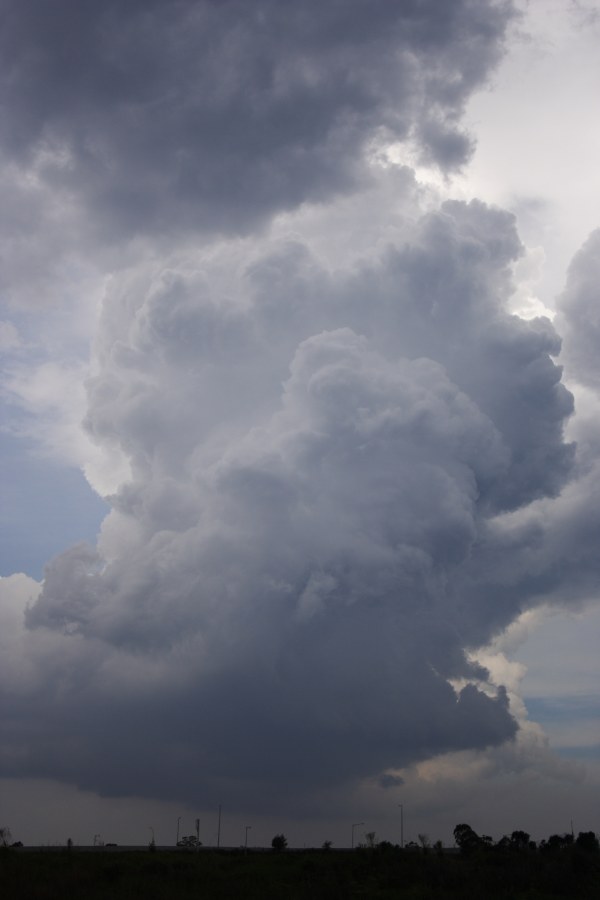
pixel 469 841
pixel 513 867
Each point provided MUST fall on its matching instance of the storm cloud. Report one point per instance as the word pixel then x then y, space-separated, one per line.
pixel 311 488
pixel 336 463
pixel 214 115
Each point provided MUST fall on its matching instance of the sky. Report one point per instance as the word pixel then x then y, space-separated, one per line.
pixel 299 442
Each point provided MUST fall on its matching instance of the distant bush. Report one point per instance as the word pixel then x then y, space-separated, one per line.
pixel 279 842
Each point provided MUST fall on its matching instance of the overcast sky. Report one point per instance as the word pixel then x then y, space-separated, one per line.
pixel 300 450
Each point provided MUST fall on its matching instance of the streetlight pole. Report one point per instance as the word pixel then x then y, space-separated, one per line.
pixel 355 825
pixel 401 825
pixel 248 827
pixel 178 821
pixel 219 829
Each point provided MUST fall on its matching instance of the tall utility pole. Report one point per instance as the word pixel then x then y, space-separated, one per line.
pixel 248 827
pixel 401 825
pixel 355 825
pixel 219 829
pixel 178 821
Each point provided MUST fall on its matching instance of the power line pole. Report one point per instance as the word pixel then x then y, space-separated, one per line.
pixel 355 825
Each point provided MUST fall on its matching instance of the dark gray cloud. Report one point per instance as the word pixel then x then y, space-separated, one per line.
pixel 342 469
pixel 193 113
pixel 301 558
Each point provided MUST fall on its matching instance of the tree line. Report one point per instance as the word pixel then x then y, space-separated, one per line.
pixel 468 841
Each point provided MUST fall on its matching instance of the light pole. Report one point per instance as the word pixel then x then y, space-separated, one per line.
pixel 401 825
pixel 178 821
pixel 219 829
pixel 355 825
pixel 248 827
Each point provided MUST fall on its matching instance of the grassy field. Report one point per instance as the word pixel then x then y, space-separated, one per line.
pixel 291 875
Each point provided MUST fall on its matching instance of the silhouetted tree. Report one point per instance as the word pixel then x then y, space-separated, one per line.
pixel 519 840
pixel 5 836
pixel 279 842
pixel 556 843
pixel 424 841
pixel 467 839
pixel 587 840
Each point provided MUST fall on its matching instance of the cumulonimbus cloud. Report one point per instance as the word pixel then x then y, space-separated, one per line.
pixel 333 471
pixel 299 545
